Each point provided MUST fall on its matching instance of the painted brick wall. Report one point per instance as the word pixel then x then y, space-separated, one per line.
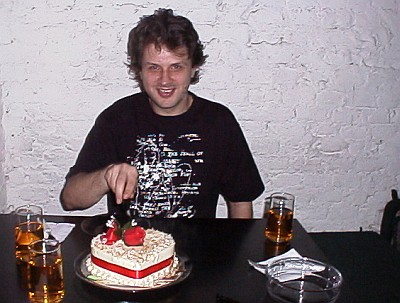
pixel 315 87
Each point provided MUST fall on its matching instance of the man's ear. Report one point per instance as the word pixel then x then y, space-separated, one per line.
pixel 194 70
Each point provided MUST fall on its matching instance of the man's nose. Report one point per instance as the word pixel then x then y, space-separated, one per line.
pixel 165 76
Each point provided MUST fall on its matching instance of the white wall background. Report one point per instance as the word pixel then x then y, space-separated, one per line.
pixel 314 85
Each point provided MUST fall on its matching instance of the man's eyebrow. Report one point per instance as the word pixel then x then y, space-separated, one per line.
pixel 182 62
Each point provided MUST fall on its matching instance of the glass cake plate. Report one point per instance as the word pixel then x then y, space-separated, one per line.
pixel 184 269
pixel 95 225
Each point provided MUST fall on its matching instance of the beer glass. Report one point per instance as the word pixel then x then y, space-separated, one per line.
pixel 45 272
pixel 28 228
pixel 278 211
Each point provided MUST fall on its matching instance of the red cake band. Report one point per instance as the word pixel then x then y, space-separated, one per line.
pixel 135 274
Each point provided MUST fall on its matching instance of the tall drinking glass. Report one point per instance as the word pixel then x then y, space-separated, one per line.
pixel 45 272
pixel 278 211
pixel 28 228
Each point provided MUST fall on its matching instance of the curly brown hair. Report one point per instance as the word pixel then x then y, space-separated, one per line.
pixel 163 28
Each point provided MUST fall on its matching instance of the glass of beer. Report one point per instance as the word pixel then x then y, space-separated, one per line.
pixel 28 228
pixel 278 211
pixel 45 272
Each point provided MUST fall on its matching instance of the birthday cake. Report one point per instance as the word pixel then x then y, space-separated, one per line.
pixel 132 255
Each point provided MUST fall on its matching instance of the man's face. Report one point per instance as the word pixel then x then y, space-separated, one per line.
pixel 166 78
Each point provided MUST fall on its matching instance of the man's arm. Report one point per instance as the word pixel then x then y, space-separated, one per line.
pixel 83 190
pixel 240 210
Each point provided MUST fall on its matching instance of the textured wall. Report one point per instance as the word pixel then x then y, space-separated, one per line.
pixel 315 87
pixel 3 197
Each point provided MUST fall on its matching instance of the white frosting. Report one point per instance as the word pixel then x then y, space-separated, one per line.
pixel 157 247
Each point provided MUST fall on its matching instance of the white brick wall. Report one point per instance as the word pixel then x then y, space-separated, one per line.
pixel 315 87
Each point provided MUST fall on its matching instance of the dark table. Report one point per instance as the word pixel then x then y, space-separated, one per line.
pixel 371 267
pixel 217 248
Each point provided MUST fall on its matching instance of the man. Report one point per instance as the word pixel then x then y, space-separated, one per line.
pixel 165 152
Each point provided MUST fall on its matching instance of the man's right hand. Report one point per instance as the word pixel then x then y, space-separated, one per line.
pixel 83 190
pixel 122 180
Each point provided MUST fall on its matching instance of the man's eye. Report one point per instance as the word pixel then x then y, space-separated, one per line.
pixel 153 67
pixel 176 67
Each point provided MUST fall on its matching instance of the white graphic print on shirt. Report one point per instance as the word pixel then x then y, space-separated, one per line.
pixel 165 181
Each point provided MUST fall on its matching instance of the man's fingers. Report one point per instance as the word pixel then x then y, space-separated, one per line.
pixel 122 180
pixel 130 187
pixel 131 182
pixel 119 190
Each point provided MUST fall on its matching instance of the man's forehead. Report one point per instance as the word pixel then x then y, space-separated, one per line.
pixel 180 51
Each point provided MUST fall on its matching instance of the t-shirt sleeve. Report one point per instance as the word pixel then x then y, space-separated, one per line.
pixel 241 180
pixel 99 149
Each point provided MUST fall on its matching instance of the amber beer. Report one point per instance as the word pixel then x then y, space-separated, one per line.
pixel 25 234
pixel 28 228
pixel 45 272
pixel 279 215
pixel 279 225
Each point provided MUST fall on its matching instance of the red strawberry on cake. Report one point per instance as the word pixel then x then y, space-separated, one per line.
pixel 134 236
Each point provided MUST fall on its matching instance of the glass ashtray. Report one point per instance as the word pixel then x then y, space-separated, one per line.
pixel 303 280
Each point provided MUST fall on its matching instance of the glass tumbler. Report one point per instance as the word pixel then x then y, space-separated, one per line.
pixel 278 211
pixel 28 228
pixel 45 272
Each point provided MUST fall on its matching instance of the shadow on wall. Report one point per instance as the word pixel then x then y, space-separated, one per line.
pixel 390 225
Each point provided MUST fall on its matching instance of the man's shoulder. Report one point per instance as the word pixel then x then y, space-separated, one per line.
pixel 124 106
pixel 127 102
pixel 215 111
pixel 213 107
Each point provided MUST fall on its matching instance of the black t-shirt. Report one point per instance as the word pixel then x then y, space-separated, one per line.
pixel 184 162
